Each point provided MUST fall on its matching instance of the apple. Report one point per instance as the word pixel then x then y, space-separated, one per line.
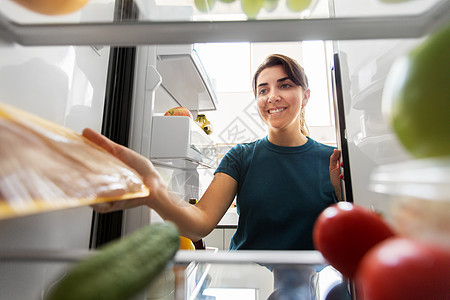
pixel 416 97
pixel 53 7
pixel 179 111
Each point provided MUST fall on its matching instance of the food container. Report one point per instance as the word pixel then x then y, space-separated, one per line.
pixel 420 194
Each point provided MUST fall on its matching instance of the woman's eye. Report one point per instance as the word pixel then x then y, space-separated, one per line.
pixel 285 85
pixel 262 91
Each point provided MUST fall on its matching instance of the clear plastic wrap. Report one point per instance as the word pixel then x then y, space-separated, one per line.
pixel 45 166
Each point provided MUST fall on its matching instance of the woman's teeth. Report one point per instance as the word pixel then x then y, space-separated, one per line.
pixel 274 111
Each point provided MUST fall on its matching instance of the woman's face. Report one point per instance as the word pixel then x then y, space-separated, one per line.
pixel 279 99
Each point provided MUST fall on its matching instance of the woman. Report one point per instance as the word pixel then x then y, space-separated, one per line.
pixel 282 182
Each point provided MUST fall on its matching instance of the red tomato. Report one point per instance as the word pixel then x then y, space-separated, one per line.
pixel 344 232
pixel 401 268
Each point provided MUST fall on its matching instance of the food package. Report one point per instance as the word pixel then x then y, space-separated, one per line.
pixel 45 166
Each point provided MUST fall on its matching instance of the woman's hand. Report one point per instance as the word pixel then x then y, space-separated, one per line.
pixel 335 173
pixel 142 165
pixel 193 221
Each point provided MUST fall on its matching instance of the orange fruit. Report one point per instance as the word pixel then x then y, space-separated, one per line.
pixel 53 7
pixel 186 244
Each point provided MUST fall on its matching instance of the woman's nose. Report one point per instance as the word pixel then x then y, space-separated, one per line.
pixel 273 98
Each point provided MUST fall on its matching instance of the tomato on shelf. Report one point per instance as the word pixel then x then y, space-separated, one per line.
pixel 402 268
pixel 344 232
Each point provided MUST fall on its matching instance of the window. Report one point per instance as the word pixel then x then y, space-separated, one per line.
pixel 231 67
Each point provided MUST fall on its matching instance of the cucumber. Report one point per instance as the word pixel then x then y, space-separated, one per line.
pixel 122 268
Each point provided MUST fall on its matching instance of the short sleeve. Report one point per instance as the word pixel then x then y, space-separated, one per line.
pixel 231 163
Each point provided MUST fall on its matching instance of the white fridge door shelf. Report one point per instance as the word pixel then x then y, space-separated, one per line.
pixel 185 78
pixel 179 142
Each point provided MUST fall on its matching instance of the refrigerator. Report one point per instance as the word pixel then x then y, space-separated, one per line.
pixel 117 66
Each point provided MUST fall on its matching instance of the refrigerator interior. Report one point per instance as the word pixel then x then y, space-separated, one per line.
pixel 56 68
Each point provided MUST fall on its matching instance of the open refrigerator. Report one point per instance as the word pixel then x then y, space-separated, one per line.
pixel 116 66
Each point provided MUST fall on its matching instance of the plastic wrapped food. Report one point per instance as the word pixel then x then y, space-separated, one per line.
pixel 45 166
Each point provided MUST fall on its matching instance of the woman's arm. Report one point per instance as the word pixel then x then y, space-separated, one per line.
pixel 196 221
pixel 193 221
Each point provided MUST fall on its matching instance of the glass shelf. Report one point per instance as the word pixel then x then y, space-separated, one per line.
pixel 179 22
pixel 197 274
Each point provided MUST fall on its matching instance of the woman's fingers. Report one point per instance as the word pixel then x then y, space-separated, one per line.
pixel 99 140
pixel 128 156
pixel 334 159
pixel 134 160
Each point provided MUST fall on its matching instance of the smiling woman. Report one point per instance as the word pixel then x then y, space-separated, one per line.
pixel 286 169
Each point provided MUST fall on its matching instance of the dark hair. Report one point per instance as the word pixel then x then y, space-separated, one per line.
pixel 293 69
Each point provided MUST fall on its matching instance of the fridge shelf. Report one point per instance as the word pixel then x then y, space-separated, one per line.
pixel 44 255
pixel 191 87
pixel 182 257
pixel 194 274
pixel 164 30
pixel 178 142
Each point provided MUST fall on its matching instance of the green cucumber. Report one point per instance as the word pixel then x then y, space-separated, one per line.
pixel 122 268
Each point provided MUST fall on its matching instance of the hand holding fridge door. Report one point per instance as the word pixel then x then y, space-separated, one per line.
pixel 335 172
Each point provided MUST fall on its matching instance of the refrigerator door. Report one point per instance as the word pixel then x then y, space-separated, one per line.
pixel 65 85
pixel 366 137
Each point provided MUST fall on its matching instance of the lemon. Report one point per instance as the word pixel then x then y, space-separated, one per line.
pixel 416 97
pixel 186 244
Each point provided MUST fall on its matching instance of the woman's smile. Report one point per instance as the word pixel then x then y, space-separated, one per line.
pixel 276 111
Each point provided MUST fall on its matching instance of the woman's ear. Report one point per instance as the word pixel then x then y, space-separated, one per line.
pixel 306 95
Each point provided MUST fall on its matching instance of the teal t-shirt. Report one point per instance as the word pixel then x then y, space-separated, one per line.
pixel 281 192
